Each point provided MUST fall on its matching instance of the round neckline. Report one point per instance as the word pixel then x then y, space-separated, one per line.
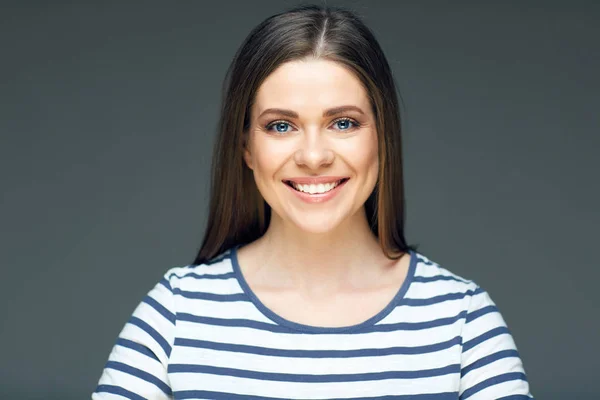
pixel 305 328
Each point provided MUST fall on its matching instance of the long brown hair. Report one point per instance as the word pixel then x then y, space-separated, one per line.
pixel 237 212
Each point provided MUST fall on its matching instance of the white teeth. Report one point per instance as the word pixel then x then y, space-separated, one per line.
pixel 314 189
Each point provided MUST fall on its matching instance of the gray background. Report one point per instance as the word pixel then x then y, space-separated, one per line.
pixel 107 116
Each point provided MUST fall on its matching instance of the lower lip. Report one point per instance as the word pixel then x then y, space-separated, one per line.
pixel 319 197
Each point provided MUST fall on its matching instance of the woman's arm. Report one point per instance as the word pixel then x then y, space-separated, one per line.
pixel 137 364
pixel 491 367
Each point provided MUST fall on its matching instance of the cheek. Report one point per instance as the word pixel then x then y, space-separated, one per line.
pixel 364 155
pixel 372 166
pixel 268 157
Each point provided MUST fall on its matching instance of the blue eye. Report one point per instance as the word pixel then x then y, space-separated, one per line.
pixel 277 125
pixel 343 124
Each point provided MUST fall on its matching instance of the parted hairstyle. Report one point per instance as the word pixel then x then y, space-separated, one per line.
pixel 238 214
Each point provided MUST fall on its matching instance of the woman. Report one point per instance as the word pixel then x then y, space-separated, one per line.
pixel 304 286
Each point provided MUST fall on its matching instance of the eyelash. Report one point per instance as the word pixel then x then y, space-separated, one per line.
pixel 354 122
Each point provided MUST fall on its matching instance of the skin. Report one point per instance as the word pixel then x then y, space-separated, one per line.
pixel 317 264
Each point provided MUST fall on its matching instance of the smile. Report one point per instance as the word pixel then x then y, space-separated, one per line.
pixel 319 188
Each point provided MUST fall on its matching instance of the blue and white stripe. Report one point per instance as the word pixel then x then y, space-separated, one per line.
pixel 201 333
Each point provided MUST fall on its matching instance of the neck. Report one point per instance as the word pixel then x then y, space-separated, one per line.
pixel 319 263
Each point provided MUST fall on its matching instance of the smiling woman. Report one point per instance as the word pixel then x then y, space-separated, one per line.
pixel 304 286
pixel 327 139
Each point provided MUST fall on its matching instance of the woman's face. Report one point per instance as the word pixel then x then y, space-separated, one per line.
pixel 297 134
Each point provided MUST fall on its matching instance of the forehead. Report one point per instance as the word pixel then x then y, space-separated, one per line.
pixel 311 84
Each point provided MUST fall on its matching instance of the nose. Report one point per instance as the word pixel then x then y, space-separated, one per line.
pixel 314 151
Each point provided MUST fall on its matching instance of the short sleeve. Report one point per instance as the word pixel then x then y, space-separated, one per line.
pixel 491 367
pixel 137 365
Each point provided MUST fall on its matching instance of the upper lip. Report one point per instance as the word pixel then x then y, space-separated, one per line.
pixel 315 180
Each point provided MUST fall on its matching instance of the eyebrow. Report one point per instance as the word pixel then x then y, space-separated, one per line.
pixel 327 113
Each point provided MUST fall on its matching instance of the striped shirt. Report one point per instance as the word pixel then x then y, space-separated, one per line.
pixel 201 333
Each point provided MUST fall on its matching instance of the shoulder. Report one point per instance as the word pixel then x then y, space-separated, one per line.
pixel 436 282
pixel 429 271
pixel 490 364
pixel 180 277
